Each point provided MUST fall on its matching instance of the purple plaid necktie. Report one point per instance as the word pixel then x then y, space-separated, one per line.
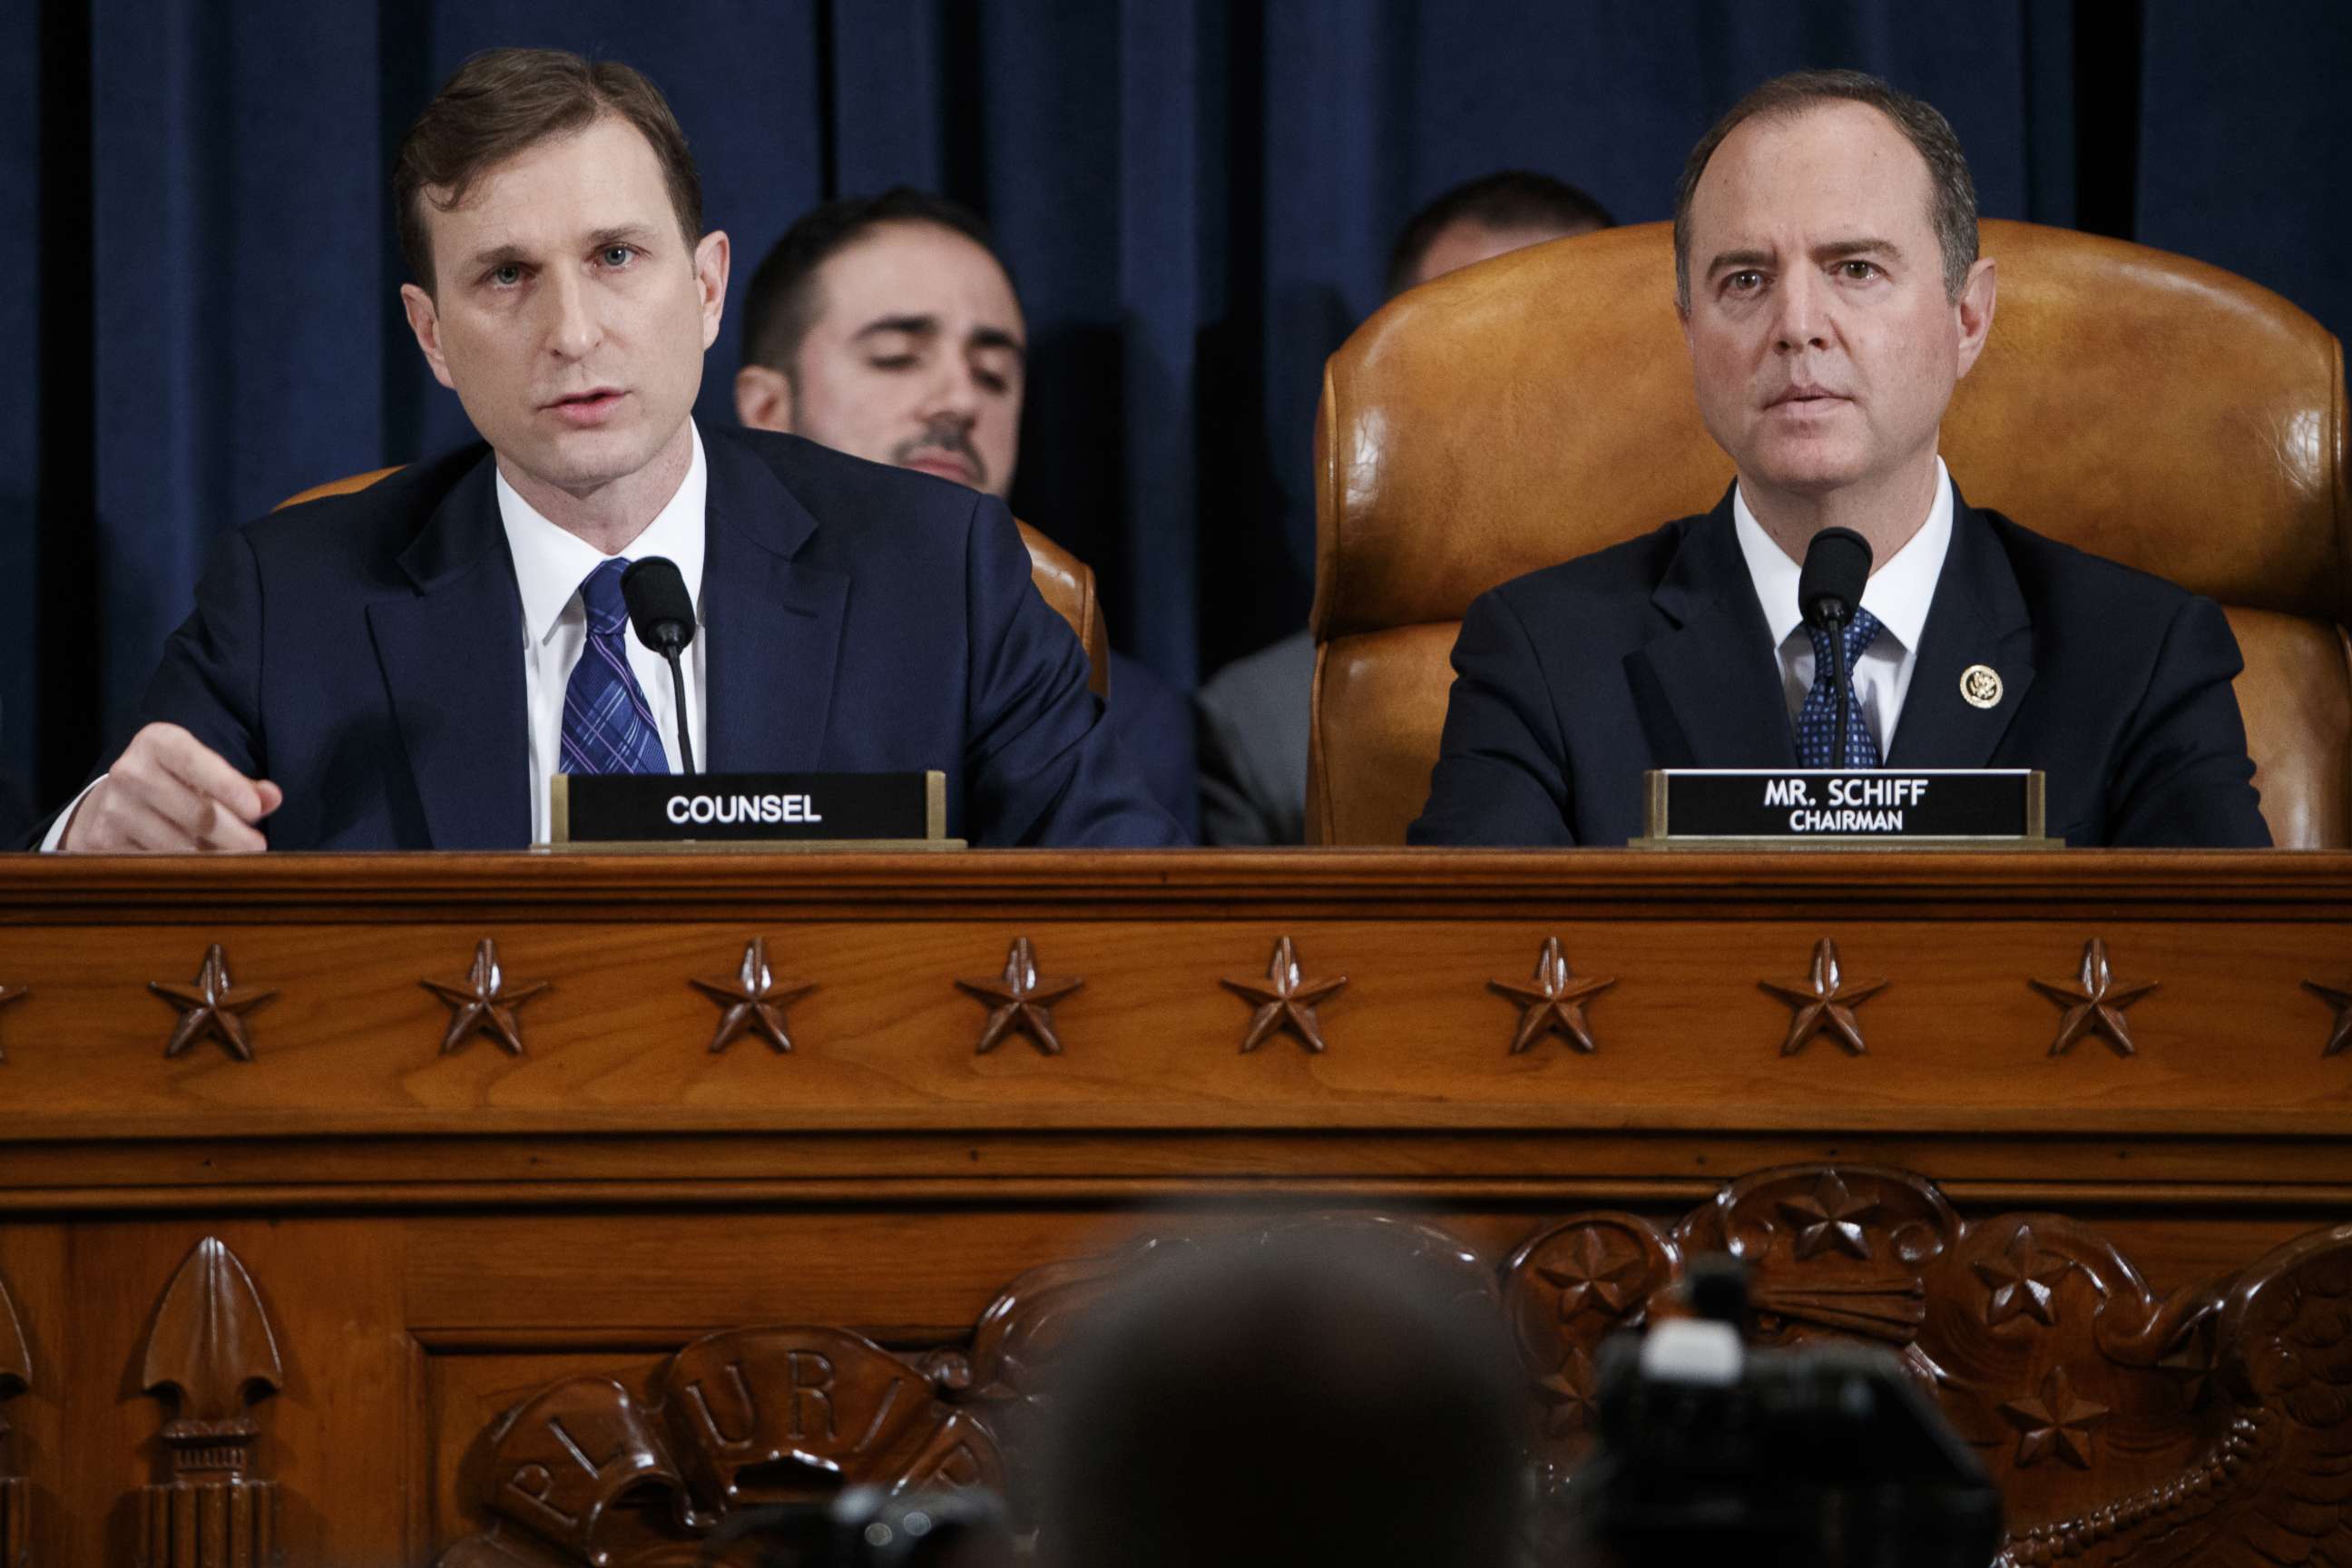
pixel 607 727
pixel 1817 720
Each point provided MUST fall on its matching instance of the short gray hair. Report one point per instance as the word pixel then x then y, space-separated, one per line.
pixel 1952 195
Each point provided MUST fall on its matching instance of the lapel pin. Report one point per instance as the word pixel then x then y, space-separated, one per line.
pixel 1981 686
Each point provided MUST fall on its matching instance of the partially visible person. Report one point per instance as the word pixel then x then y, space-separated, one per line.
pixel 1253 714
pixel 1832 296
pixel 1491 215
pixel 408 666
pixel 888 327
pixel 1320 1397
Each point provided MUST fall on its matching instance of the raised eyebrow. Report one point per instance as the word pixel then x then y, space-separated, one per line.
pixel 1845 249
pixel 635 234
pixel 495 257
pixel 916 326
pixel 1738 258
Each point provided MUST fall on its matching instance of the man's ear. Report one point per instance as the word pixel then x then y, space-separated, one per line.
pixel 710 259
pixel 763 398
pixel 1974 309
pixel 425 323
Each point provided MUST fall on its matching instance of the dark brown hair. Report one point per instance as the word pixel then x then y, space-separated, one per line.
pixel 781 305
pixel 1952 195
pixel 1506 199
pixel 502 102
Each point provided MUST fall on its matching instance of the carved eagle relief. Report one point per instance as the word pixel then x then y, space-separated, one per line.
pixel 2212 1425
pixel 751 1418
pixel 2271 1474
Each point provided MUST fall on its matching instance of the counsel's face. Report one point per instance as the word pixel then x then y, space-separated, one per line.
pixel 1822 344
pixel 569 312
pixel 915 358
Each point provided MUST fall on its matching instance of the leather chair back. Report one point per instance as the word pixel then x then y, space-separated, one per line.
pixel 1537 406
pixel 1066 582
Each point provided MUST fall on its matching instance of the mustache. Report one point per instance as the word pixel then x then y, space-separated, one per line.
pixel 950 436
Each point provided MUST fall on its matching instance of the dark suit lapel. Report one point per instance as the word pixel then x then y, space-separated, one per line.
pixel 452 661
pixel 1977 616
pixel 1715 669
pixel 774 625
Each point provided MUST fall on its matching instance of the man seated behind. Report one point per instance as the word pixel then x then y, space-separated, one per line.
pixel 1832 296
pixel 406 667
pixel 888 327
pixel 1256 712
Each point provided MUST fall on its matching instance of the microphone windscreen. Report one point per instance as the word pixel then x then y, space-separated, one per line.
pixel 660 606
pixel 1837 564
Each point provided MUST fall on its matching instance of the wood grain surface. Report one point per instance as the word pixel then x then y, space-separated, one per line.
pixel 435 1236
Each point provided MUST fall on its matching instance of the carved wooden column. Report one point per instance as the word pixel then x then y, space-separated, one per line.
pixel 210 1348
pixel 15 1496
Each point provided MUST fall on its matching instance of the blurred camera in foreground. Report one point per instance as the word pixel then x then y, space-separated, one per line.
pixel 1828 1457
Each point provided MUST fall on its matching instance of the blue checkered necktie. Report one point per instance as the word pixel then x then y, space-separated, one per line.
pixel 607 727
pixel 1817 720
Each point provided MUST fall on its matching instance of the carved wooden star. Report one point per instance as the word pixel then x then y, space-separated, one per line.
pixel 1829 1216
pixel 1020 1002
pixel 752 1002
pixel 1593 1275
pixel 11 994
pixel 1285 1001
pixel 213 1006
pixel 2335 996
pixel 2056 1422
pixel 484 1004
pixel 1554 1000
pixel 1569 1394
pixel 2025 1282
pixel 2095 1005
pixel 1824 1004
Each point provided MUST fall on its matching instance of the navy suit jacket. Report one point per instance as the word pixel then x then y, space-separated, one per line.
pixel 364 652
pixel 1154 725
pixel 1570 681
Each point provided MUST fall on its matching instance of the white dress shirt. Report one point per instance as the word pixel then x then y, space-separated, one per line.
pixel 1899 591
pixel 550 565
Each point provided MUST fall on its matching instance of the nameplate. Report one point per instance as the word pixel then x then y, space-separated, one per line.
pixel 725 811
pixel 1719 808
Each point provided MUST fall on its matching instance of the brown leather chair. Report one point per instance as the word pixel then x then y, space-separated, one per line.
pixel 1537 406
pixel 1066 582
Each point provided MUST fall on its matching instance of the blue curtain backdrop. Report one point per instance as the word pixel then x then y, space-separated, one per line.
pixel 1197 197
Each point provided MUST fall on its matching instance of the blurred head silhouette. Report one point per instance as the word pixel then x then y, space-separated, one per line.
pixel 1304 1396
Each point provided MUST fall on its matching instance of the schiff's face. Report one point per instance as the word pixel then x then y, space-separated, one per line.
pixel 915 357
pixel 569 312
pixel 1822 345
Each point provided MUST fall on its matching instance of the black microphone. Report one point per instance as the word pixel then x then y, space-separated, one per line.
pixel 663 613
pixel 1829 590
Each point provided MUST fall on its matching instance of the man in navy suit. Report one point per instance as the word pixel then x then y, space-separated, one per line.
pixel 406 667
pixel 1832 296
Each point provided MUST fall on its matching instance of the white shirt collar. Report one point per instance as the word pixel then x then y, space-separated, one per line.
pixel 551 562
pixel 1899 593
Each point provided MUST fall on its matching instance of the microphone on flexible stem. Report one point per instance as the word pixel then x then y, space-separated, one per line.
pixel 662 611
pixel 1829 589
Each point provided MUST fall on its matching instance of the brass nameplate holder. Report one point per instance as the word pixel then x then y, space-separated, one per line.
pixel 1856 808
pixel 723 813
